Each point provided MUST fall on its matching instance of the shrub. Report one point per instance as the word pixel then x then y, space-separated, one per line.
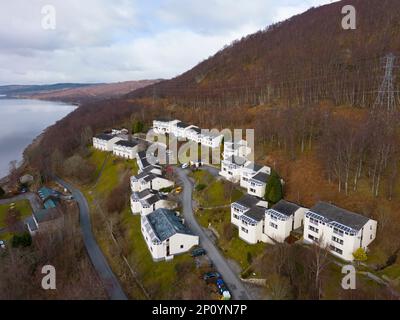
pixel 2 192
pixel 200 187
pixel 21 240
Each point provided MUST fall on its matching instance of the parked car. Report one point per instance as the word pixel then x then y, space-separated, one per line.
pixel 2 244
pixel 185 166
pixel 198 252
pixel 211 276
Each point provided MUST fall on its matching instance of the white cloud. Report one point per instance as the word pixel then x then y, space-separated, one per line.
pixel 107 41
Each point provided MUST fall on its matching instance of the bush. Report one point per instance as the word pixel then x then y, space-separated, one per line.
pixel 21 240
pixel 200 187
pixel 167 190
pixel 2 192
pixel 273 190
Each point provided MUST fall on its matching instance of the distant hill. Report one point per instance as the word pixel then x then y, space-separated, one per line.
pixel 77 93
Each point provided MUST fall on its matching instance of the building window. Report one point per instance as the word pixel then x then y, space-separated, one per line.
pixel 252 190
pixel 312 238
pixel 337 240
pixel 236 216
pixel 273 225
pixel 245 230
pixel 181 246
pixel 316 230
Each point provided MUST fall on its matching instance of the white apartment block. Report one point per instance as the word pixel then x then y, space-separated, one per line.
pixel 257 184
pixel 238 149
pixel 342 232
pixel 166 235
pixel 281 220
pixel 126 149
pixel 105 142
pixel 232 167
pixel 146 180
pixel 147 201
pixel 187 131
pixel 249 171
pixel 145 165
pixel 247 214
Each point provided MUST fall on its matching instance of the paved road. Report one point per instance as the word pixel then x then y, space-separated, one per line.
pixel 104 271
pixel 234 284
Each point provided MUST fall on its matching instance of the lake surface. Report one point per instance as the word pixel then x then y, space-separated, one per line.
pixel 21 121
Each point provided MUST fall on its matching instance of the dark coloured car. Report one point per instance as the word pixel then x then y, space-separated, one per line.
pixel 198 252
pixel 211 276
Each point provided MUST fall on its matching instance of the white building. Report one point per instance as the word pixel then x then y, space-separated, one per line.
pixel 281 220
pixel 193 133
pixel 163 126
pixel 119 131
pixel 105 142
pixel 248 214
pixel 249 171
pixel 146 180
pixel 257 184
pixel 238 149
pixel 211 139
pixel 166 235
pixel 126 149
pixel 144 163
pixel 232 167
pixel 342 232
pixel 147 201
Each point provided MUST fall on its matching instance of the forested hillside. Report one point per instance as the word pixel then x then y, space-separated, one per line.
pixel 302 60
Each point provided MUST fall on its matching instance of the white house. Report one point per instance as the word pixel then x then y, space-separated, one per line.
pixel 232 167
pixel 238 149
pixel 249 171
pixel 119 131
pixel 281 220
pixel 193 133
pixel 248 214
pixel 146 180
pixel 166 235
pixel 211 139
pixel 148 201
pixel 125 149
pixel 163 125
pixel 105 142
pixel 144 163
pixel 342 232
pixel 179 129
pixel 257 184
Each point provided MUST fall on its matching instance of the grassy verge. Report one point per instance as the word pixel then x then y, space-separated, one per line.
pixel 22 206
pixel 119 235
pixel 222 193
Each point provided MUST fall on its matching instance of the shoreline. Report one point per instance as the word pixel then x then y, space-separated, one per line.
pixel 36 139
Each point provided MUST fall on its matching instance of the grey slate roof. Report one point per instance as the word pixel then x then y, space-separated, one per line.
pixel 285 207
pixel 248 201
pixel 105 136
pixel 196 129
pixel 165 224
pixel 254 166
pixel 240 161
pixel 125 143
pixel 182 125
pixel 342 216
pixel 256 213
pixel 261 177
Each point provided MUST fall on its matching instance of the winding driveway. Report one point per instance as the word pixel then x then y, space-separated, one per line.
pixel 236 287
pixel 99 262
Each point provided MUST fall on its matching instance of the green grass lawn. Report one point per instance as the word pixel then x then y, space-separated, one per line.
pixel 160 275
pixel 152 274
pixel 214 195
pixel 23 206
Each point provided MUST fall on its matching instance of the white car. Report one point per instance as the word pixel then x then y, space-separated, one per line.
pixel 2 244
pixel 185 165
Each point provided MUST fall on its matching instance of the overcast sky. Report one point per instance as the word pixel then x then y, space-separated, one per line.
pixel 119 40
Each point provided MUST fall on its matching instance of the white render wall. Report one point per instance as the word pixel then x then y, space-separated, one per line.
pixel 249 233
pixel 125 152
pixel 256 189
pixel 350 243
